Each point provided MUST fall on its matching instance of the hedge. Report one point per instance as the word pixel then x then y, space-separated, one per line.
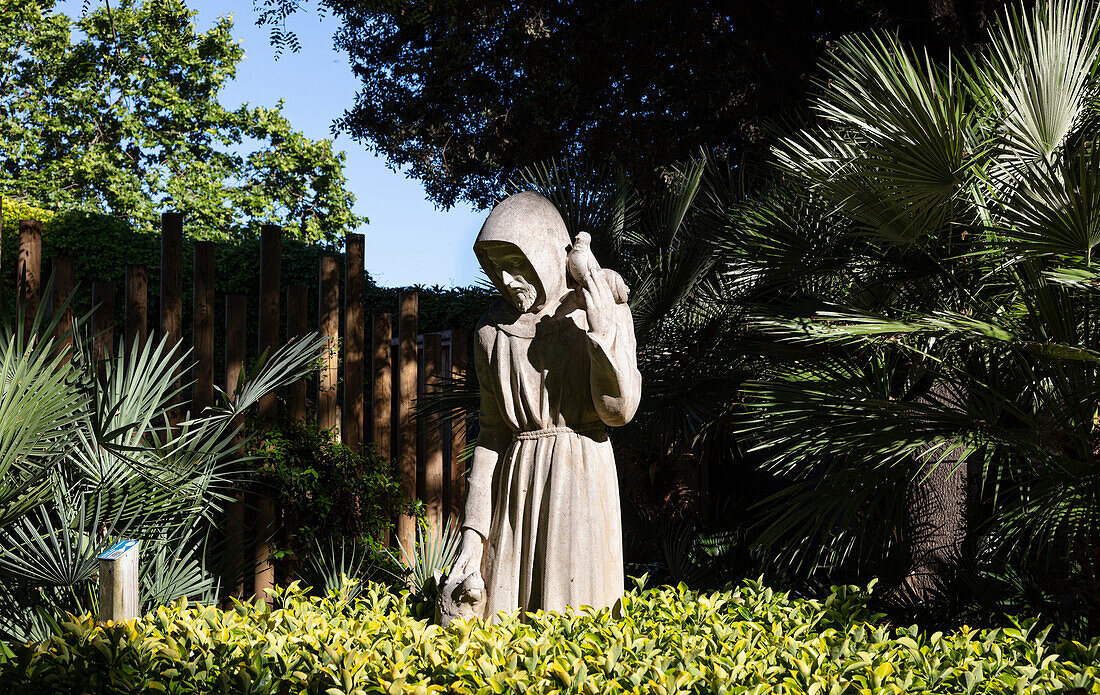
pixel 102 245
pixel 670 640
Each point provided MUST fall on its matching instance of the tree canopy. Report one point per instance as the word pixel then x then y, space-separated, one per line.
pixel 118 111
pixel 464 94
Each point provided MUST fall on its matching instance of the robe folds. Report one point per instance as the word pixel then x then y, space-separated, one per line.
pixel 548 506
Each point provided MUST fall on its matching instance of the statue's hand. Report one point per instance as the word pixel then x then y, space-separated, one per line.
pixel 462 591
pixel 470 549
pixel 599 305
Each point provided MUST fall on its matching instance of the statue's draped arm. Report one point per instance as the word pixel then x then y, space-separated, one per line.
pixel 613 375
pixel 493 439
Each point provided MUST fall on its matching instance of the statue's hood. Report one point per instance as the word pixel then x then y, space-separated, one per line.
pixel 531 223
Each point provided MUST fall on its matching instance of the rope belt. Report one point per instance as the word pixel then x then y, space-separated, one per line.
pixel 593 431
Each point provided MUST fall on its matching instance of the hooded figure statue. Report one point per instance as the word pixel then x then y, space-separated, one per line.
pixel 557 365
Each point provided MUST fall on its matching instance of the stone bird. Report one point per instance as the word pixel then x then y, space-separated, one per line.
pixel 580 262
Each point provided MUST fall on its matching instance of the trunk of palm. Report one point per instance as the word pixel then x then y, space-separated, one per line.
pixel 936 527
pixel 935 516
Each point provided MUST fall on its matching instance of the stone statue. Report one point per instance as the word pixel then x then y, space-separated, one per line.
pixel 557 363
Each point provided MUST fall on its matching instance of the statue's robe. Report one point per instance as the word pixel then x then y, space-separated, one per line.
pixel 550 506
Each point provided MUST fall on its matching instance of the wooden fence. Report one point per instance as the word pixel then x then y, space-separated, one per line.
pixel 427 454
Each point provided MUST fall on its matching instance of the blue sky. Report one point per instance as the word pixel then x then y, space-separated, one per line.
pixel 408 241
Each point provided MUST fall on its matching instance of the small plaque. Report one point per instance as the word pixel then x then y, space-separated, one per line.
pixel 116 550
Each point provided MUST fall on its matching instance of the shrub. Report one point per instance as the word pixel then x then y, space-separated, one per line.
pixel 323 489
pixel 749 639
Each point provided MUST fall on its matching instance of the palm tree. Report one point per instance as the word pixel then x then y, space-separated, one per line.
pixel 935 396
pixel 87 457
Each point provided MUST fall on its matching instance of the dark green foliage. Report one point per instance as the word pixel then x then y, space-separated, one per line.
pixel 935 227
pixel 441 308
pixel 931 397
pixel 463 95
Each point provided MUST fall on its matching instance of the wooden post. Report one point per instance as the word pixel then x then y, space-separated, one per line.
pixel 28 269
pixel 297 324
pixel 271 247
pixel 432 492
pixel 171 290
pixel 103 320
pixel 328 313
pixel 351 432
pixel 62 290
pixel 236 313
pixel 456 493
pixel 406 439
pixel 203 326
pixel 119 596
pixel 264 580
pixel 137 305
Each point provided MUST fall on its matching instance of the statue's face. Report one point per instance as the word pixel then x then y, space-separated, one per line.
pixel 516 274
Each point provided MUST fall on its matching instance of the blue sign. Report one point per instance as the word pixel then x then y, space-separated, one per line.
pixel 116 550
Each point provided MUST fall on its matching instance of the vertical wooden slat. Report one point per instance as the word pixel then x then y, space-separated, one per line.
pixel 62 274
pixel 328 315
pixel 432 492
pixel 28 269
pixel 171 289
pixel 271 248
pixel 419 421
pixel 352 430
pixel 382 396
pixel 236 309
pixel 382 387
pixel 395 400
pixel 297 324
pixel 137 305
pixel 406 436
pixel 445 425
pixel 456 492
pixel 103 320
pixel 203 326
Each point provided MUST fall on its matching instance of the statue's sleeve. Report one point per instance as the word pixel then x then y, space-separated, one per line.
pixel 613 374
pixel 493 438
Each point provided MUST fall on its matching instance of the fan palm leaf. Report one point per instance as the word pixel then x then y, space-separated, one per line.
pixel 1040 71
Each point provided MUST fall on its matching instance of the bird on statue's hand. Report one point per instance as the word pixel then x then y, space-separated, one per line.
pixel 581 263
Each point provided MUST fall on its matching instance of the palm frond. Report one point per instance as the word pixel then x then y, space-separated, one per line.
pixel 1039 72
